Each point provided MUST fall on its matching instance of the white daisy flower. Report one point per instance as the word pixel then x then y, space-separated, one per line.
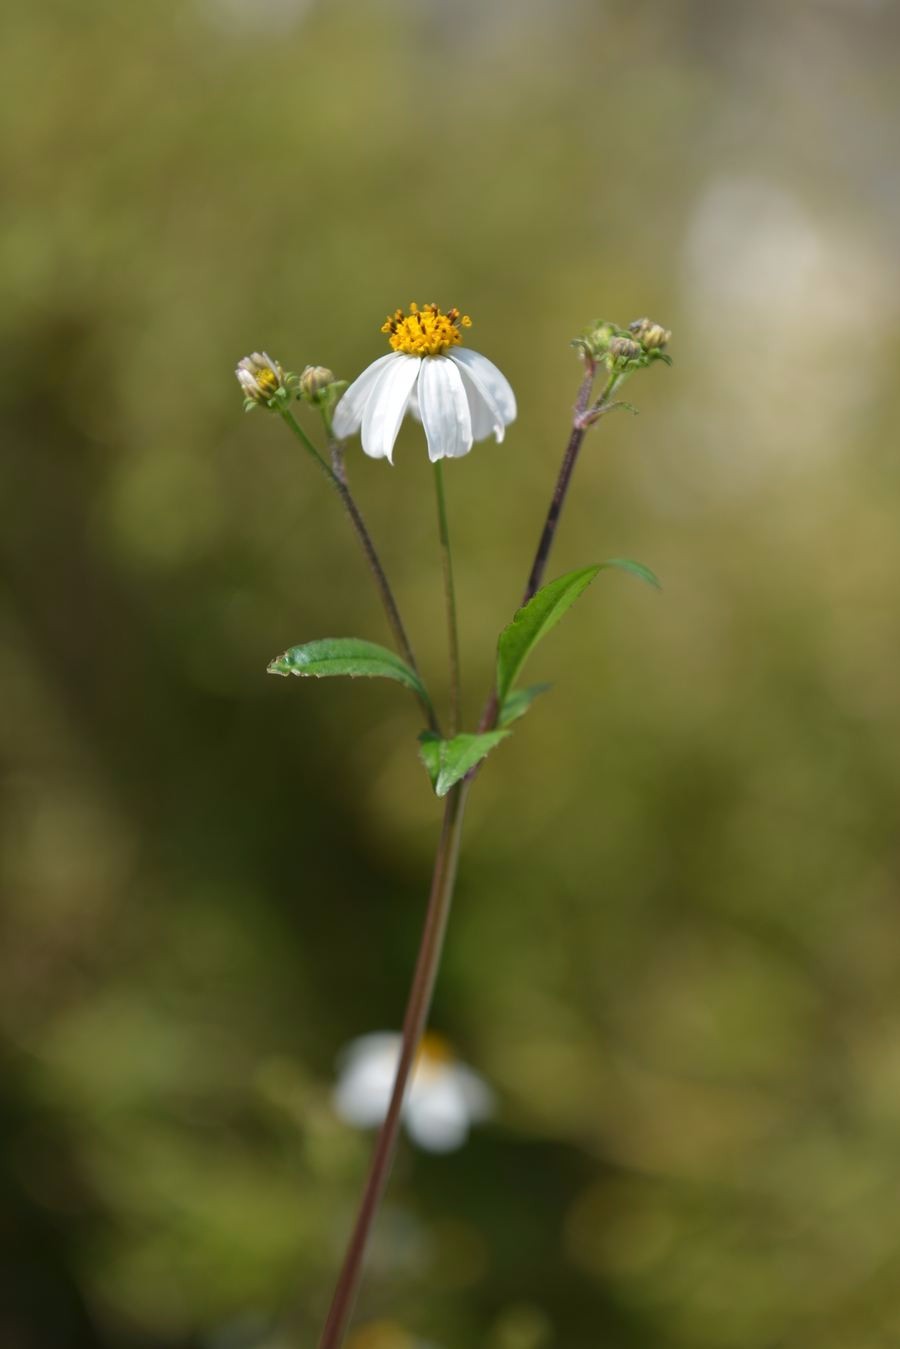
pixel 443 1100
pixel 457 395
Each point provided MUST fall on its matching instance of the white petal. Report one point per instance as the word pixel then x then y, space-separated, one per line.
pixel 349 411
pixel 475 1092
pixel 370 1046
pixel 386 405
pixel 444 409
pixel 366 1080
pixel 486 419
pixel 491 384
pixel 437 1118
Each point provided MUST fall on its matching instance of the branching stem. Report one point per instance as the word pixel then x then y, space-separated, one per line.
pixel 336 478
pixel 443 876
pixel 557 501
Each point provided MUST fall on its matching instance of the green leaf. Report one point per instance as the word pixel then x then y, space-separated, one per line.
pixel 346 656
pixel 518 702
pixel 542 612
pixel 635 568
pixel 448 761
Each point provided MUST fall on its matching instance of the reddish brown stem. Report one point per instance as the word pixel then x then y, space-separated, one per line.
pixel 417 1009
pixel 548 533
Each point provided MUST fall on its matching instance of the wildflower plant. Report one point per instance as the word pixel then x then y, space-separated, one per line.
pixel 460 397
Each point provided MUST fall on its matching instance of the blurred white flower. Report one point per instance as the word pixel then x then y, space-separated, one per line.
pixel 457 395
pixel 789 306
pixel 443 1100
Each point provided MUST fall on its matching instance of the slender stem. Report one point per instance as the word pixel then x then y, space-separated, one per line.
pixel 305 441
pixel 449 597
pixel 417 1008
pixel 338 467
pixel 335 446
pixel 337 480
pixel 579 431
pixel 548 533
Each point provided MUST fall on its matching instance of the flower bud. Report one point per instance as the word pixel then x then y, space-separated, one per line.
pixel 594 341
pixel 314 381
pixel 623 353
pixel 652 336
pixel 263 381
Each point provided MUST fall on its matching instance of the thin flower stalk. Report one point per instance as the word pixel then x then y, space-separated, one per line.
pixel 337 479
pixel 557 501
pixel 581 422
pixel 449 599
pixel 417 1009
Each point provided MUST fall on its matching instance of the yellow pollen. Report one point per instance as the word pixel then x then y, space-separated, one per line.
pixel 426 331
pixel 267 380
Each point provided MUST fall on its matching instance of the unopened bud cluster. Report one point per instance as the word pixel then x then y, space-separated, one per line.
pixel 623 350
pixel 266 384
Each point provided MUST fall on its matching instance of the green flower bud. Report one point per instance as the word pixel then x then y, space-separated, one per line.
pixel 314 383
pixel 623 354
pixel 652 336
pixel 594 341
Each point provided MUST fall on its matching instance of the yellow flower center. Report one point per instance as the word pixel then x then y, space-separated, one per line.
pixel 426 331
pixel 434 1053
pixel 267 380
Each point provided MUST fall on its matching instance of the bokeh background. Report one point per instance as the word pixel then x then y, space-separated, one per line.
pixel 675 953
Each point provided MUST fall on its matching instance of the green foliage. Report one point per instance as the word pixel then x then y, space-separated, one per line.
pixel 542 612
pixel 448 761
pixel 535 619
pixel 634 568
pixel 518 701
pixel 346 656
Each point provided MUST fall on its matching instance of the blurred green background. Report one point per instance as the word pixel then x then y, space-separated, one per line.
pixel 675 952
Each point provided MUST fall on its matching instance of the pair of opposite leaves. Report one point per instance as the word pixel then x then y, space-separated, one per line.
pixel 448 761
